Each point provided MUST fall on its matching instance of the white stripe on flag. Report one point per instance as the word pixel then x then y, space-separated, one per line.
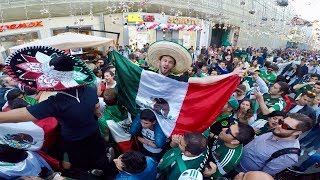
pixel 153 86
pixel 118 132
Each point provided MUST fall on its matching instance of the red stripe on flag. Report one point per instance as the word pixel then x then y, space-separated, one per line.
pixel 203 104
pixel 125 146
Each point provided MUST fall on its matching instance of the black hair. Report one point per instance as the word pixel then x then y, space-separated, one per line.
pixel 62 63
pixel 148 115
pixel 17 103
pixel 96 71
pixel 277 113
pixel 246 133
pixel 133 162
pixel 196 143
pixel 13 94
pixel 305 122
pixel 284 87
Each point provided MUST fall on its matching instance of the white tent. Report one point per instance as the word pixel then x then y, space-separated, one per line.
pixel 68 41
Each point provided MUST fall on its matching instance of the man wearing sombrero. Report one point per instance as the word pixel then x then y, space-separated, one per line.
pixel 75 105
pixel 169 57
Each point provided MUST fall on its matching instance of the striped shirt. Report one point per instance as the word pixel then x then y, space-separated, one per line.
pixel 225 158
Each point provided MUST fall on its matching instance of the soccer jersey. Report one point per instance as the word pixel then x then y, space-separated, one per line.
pixel 225 158
pixel 271 78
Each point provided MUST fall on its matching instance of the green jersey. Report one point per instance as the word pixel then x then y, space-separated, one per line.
pixel 277 104
pixel 170 167
pixel 225 158
pixel 270 78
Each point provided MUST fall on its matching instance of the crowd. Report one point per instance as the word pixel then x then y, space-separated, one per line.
pixel 270 120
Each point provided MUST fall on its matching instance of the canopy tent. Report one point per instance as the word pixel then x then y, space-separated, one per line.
pixel 68 41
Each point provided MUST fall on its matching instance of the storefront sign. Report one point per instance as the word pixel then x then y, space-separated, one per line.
pixel 184 20
pixel 21 26
pixel 133 18
pixel 148 18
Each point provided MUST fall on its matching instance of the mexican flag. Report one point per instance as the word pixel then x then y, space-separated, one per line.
pixel 179 106
pixel 118 121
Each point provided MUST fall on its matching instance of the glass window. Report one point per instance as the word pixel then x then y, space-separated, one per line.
pixel 18 39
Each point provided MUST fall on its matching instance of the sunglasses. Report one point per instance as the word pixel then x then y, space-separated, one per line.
pixel 228 131
pixel 284 125
pixel 311 93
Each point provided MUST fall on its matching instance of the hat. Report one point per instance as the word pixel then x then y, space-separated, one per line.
pixel 191 174
pixel 47 69
pixel 233 103
pixel 242 88
pixel 176 51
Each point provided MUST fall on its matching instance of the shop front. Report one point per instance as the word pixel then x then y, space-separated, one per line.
pixel 20 32
pixel 148 28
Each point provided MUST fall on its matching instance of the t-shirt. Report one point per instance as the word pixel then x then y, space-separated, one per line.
pixel 76 119
pixel 148 134
pixel 225 158
pixel 169 165
pixel 271 78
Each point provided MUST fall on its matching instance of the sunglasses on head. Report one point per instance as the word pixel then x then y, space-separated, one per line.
pixel 228 131
pixel 284 125
pixel 311 93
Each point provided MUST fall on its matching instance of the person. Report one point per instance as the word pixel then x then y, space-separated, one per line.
pixel 240 93
pixel 6 83
pixel 302 105
pixel 262 126
pixel 270 75
pixel 227 150
pixel 153 139
pixel 58 71
pixel 273 100
pixel 245 112
pixel 115 121
pixel 222 68
pixel 256 154
pixel 300 88
pixel 109 79
pixel 171 59
pixel 133 165
pixel 225 119
pixel 191 154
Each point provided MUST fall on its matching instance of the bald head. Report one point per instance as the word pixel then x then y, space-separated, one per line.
pixel 253 175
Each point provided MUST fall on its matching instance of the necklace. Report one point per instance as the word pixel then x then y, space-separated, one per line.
pixel 75 97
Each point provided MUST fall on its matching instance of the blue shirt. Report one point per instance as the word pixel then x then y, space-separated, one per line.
pixel 149 173
pixel 76 119
pixel 258 151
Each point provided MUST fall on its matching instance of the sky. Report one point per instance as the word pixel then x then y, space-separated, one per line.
pixel 308 9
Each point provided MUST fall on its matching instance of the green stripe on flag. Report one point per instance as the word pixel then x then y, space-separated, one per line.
pixel 128 79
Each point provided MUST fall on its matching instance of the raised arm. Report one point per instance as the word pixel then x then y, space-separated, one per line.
pixel 212 79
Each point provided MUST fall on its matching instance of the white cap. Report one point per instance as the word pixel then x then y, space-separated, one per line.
pixel 191 174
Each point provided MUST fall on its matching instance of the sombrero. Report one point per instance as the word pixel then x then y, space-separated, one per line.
pixel 179 53
pixel 47 69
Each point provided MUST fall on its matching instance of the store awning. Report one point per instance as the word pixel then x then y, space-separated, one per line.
pixel 68 41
